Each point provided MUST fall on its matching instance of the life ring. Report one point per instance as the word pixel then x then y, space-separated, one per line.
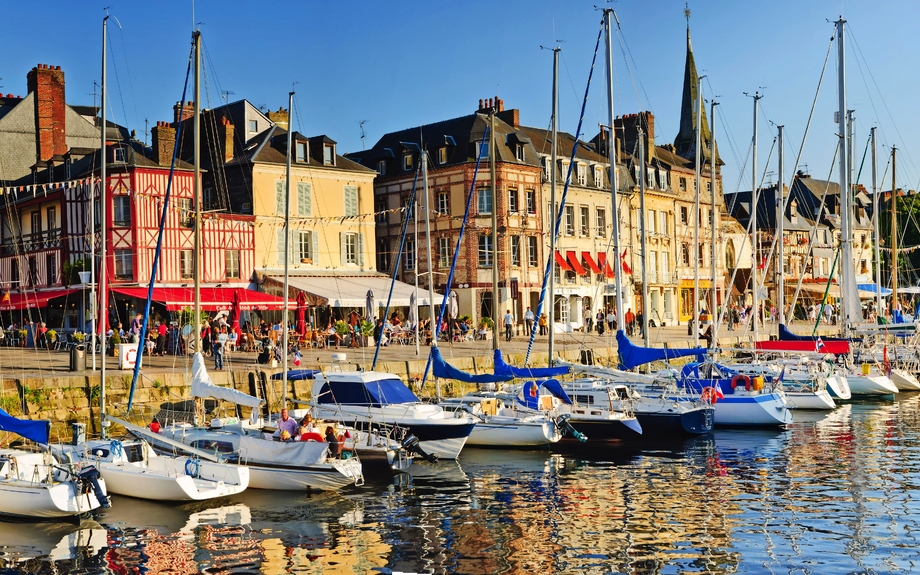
pixel 312 436
pixel 709 395
pixel 742 377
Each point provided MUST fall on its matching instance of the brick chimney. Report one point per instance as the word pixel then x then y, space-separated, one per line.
pixel 180 114
pixel 225 135
pixel 47 82
pixel 280 118
pixel 629 124
pixel 164 143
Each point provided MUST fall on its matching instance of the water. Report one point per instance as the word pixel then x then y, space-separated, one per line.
pixel 835 493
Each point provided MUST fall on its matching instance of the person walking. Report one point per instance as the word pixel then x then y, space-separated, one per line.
pixel 601 322
pixel 509 325
pixel 543 324
pixel 528 321
pixel 589 320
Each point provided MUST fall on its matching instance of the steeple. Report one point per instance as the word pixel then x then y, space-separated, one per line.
pixel 685 142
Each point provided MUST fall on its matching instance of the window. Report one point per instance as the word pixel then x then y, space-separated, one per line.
pixel 33 272
pixel 232 261
pixel 513 200
pixel 186 264
pixel 601 223
pixel 581 172
pixel 515 251
pixel 665 264
pixel 329 155
pixel 685 253
pixel 651 221
pixel 519 152
pixel 484 204
pixel 702 254
pixel 380 208
pixel 351 200
pixel 122 210
pixel 531 202
pixel 409 257
pixel 300 151
pixel 442 156
pixel 51 267
pixel 485 251
pixel 382 167
pixel 52 218
pixel 407 162
pixel 305 246
pixel 67 165
pixel 185 211
pixel 708 186
pixel 443 252
pixel 663 228
pixel 36 218
pixel 119 155
pixel 14 272
pixel 208 199
pixel 683 184
pixel 532 251
pixel 304 199
pixel 585 221
pixel 444 203
pixel 253 126
pixel 383 255
pixel 280 198
pixel 546 167
pixel 349 248
pixel 482 150
pixel 570 220
pixel 598 177
pixel 124 265
pixel 684 215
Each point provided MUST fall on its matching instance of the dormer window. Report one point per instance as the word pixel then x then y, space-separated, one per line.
pixel 120 155
pixel 329 155
pixel 519 152
pixel 382 167
pixel 253 126
pixel 482 150
pixel 300 151
pixel 67 164
pixel 442 156
pixel 407 162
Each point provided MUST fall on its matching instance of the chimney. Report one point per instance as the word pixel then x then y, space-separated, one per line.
pixel 225 135
pixel 164 143
pixel 47 82
pixel 280 118
pixel 509 116
pixel 181 114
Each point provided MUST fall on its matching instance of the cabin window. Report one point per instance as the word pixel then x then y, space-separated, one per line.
pixel 232 260
pixel 519 152
pixel 382 167
pixel 300 150
pixel 329 155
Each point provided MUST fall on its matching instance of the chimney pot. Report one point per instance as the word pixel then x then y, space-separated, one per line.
pixel 480 103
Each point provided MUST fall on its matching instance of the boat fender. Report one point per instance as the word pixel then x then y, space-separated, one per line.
pixel 116 449
pixel 192 468
pixel 740 377
pixel 89 480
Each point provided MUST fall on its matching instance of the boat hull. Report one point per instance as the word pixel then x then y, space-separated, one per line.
pixel 668 424
pixel 760 410
pixel 877 385
pixel 500 431
pixel 904 381
pixel 159 483
pixel 21 500
pixel 337 475
pixel 819 400
pixel 604 429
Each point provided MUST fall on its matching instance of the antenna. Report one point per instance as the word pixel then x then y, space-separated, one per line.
pixel 226 95
pixel 363 134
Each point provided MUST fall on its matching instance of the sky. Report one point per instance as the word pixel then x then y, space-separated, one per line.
pixel 386 66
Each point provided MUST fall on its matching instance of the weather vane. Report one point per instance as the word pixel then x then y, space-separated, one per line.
pixel 687 13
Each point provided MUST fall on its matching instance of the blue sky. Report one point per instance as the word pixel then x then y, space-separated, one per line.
pixel 400 64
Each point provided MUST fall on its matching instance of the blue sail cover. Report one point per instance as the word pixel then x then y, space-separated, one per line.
pixel 298 374
pixel 632 355
pixel 38 430
pixel 786 335
pixel 376 393
pixel 503 368
pixel 444 370
pixel 531 392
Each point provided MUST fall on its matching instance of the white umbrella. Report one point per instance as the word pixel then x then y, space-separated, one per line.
pixel 453 305
pixel 370 306
pixel 412 319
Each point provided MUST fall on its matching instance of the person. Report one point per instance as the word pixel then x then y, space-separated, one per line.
pixel 707 335
pixel 528 322
pixel 611 320
pixel 332 334
pixel 640 323
pixel 601 321
pixel 543 324
pixel 217 349
pixel 161 339
pixel 42 334
pixel 286 423
pixel 333 441
pixel 154 425
pixel 630 318
pixel 509 325
pixel 589 320
pixel 136 328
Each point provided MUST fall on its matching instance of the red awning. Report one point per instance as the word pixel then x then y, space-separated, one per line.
pixel 591 263
pixel 836 347
pixel 603 263
pixel 212 299
pixel 31 300
pixel 560 261
pixel 576 265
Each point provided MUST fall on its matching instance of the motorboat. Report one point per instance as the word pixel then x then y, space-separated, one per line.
pixel 500 424
pixel 742 400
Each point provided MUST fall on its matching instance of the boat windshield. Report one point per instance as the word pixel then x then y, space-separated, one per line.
pixel 372 393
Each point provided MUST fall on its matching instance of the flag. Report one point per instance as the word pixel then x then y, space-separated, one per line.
pixel 782 374
pixel 626 268
pixel 762 264
pixel 819 344
pixel 533 389
pixel 886 363
pixel 297 358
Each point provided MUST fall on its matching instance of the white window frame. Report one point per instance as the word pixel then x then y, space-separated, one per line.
pixel 443 252
pixel 444 203
pixel 410 256
pixel 515 249
pixel 600 222
pixel 121 210
pixel 124 264
pixel 305 246
pixel 533 258
pixel 484 201
pixel 350 245
pixel 232 263
pixel 442 155
pixel 187 264
pixel 382 167
pixel 486 251
pixel 585 216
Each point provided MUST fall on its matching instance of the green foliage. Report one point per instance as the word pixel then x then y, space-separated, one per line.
pixel 187 317
pixel 35 396
pixel 342 328
pixel 367 328
pixel 487 323
pixel 464 318
pixel 116 338
pixel 10 404
pixel 70 271
pixel 94 394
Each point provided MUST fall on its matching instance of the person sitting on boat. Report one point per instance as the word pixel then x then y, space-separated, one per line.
pixel 333 441
pixel 286 423
pixel 154 425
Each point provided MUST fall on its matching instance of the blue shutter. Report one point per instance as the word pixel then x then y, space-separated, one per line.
pixel 280 235
pixel 279 197
pixel 304 199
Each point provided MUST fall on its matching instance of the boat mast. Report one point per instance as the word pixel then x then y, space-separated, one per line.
pixel 894 233
pixel 713 218
pixel 780 214
pixel 418 350
pixel 196 38
pixel 551 285
pixel 100 325
pixel 755 309
pixel 875 222
pixel 612 158
pixel 846 232
pixel 496 310
pixel 287 255
pixel 425 208
pixel 696 217
pixel 642 233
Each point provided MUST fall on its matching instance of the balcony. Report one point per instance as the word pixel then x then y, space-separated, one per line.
pixel 47 240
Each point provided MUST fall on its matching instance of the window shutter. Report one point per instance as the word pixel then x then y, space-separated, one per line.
pixel 361 249
pixel 342 249
pixel 280 235
pixel 351 201
pixel 315 254
pixel 304 199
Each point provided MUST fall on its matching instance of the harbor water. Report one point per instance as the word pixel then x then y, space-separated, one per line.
pixel 833 493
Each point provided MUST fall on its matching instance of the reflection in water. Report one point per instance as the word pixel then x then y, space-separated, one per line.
pixel 832 493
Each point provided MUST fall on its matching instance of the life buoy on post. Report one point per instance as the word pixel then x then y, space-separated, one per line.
pixel 741 378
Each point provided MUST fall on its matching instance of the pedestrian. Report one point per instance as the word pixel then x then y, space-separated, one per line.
pixel 601 321
pixel 543 324
pixel 630 319
pixel 589 320
pixel 611 320
pixel 509 325
pixel 217 349
pixel 528 321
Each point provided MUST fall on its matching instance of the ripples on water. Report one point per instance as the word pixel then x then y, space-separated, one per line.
pixel 835 493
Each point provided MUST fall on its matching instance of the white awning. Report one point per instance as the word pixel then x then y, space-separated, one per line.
pixel 351 291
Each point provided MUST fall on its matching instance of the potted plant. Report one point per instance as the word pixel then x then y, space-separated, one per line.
pixel 342 328
pixel 23 336
pixel 115 340
pixel 367 332
pixel 52 337
pixel 79 337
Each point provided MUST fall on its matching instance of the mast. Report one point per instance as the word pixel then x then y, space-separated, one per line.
pixel 780 214
pixel 846 232
pixel 496 310
pixel 713 217
pixel 694 321
pixel 196 146
pixel 755 310
pixel 642 235
pixel 103 198
pixel 894 233
pixel 425 207
pixel 612 158
pixel 551 286
pixel 875 222
pixel 287 254
pixel 418 351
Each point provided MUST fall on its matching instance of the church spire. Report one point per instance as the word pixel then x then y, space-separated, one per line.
pixel 685 142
